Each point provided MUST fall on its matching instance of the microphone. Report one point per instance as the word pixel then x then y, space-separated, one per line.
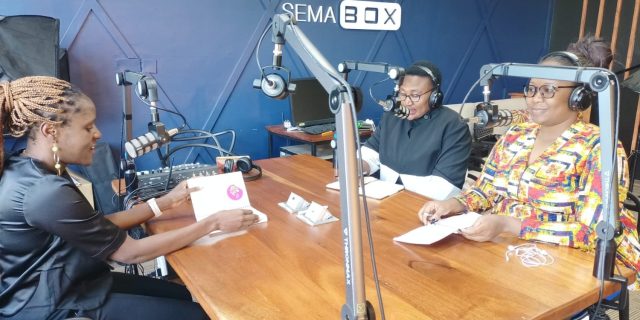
pixel 390 104
pixel 274 85
pixel 488 116
pixel 387 104
pixel 147 142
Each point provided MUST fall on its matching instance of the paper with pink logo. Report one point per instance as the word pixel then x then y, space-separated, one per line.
pixel 220 192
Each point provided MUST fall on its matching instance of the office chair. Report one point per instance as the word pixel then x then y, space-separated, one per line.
pixel 620 299
pixel 633 203
pixel 101 172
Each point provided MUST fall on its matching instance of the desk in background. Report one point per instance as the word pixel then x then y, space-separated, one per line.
pixel 285 269
pixel 314 140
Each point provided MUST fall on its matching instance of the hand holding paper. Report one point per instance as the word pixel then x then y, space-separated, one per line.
pixel 234 220
pixel 219 195
pixel 436 231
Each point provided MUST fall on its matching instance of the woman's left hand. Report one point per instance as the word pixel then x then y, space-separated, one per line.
pixel 489 226
pixel 177 196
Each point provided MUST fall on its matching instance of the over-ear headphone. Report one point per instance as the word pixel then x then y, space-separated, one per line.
pixel 244 165
pixel 436 96
pixel 581 97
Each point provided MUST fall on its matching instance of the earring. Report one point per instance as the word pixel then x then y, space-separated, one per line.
pixel 579 115
pixel 56 158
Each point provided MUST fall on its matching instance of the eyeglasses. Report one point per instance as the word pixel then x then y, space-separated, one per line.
pixel 413 97
pixel 547 91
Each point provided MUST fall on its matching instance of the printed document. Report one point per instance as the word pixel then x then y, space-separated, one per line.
pixel 375 189
pixel 439 230
pixel 220 192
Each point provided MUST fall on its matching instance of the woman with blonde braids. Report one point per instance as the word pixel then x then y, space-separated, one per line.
pixel 54 247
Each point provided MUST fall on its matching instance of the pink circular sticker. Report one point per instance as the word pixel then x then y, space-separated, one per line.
pixel 234 192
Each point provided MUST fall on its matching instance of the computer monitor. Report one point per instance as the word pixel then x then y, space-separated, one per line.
pixel 310 104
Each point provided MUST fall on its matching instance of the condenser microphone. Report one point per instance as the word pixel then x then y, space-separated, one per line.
pixel 390 104
pixel 398 110
pixel 149 141
pixel 488 116
pixel 387 104
pixel 273 84
pixel 401 111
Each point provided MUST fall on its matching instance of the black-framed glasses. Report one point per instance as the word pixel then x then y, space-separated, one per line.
pixel 413 97
pixel 547 91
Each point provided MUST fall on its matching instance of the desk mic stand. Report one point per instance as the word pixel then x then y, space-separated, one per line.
pixel 340 102
pixel 147 87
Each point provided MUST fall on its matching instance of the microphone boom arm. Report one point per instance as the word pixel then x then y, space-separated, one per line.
pixel 394 72
pixel 284 27
pixel 598 80
pixel 146 86
pixel 126 79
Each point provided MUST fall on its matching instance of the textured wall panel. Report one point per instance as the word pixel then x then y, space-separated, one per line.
pixel 202 53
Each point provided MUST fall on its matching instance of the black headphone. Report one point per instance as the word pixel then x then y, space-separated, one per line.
pixel 244 165
pixel 436 96
pixel 581 97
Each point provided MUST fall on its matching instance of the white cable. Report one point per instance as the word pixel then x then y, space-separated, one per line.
pixel 530 255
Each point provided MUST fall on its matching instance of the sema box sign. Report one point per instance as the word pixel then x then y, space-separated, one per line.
pixel 362 15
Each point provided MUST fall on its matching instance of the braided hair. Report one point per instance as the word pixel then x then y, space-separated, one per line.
pixel 594 51
pixel 589 51
pixel 27 102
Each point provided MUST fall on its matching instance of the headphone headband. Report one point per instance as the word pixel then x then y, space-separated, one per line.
pixel 581 97
pixel 244 165
pixel 435 79
pixel 564 54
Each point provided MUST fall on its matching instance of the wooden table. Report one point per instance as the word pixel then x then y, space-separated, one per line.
pixel 312 139
pixel 285 269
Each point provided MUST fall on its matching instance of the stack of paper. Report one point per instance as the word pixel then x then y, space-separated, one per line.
pixel 374 188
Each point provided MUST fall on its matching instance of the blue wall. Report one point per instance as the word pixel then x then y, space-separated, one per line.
pixel 202 53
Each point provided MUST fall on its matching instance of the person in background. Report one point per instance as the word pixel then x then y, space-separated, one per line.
pixel 428 151
pixel 54 247
pixel 541 181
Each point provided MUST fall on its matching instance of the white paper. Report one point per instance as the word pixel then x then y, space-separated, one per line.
pixel 375 189
pixel 436 231
pixel 315 212
pixel 220 192
pixel 294 204
pixel 312 213
pixel 432 187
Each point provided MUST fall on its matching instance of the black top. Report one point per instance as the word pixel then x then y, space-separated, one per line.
pixel 53 245
pixel 437 144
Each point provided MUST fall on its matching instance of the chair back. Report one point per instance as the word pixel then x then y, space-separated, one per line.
pixel 633 203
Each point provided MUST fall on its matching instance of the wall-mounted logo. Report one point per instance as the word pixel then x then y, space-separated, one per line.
pixel 370 15
pixel 308 13
pixel 354 14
